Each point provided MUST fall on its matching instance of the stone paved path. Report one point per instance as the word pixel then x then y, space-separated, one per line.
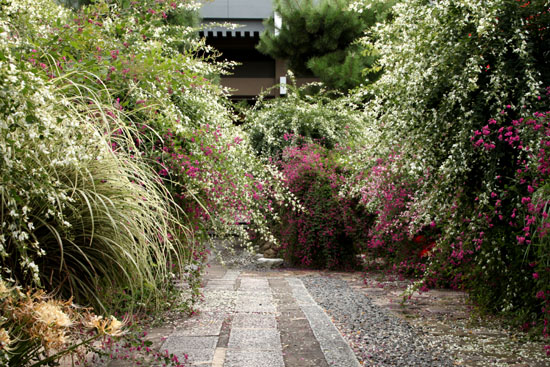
pixel 253 320
pixel 268 318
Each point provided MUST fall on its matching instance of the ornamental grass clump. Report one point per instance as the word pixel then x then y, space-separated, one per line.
pixel 79 217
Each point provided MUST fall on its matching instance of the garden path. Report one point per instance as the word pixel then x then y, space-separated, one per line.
pixel 297 318
pixel 258 319
pixel 254 317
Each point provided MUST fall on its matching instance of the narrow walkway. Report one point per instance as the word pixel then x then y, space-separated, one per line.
pixel 253 321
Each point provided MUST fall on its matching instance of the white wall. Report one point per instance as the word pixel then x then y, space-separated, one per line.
pixel 237 9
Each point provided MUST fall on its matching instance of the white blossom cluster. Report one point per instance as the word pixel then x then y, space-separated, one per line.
pixel 440 59
pixel 429 45
pixel 39 136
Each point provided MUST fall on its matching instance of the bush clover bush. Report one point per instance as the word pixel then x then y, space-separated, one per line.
pixel 325 117
pixel 449 67
pixel 169 95
pixel 230 196
pixel 328 231
pixel 305 136
pixel 517 214
pixel 386 190
pixel 106 69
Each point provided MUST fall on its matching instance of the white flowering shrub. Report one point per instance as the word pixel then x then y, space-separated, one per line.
pixel 451 67
pixel 325 117
pixel 119 152
pixel 76 215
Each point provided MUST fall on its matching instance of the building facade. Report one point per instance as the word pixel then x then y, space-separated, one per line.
pixel 257 72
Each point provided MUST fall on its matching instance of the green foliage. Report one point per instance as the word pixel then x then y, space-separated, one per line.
pixel 319 37
pixel 330 229
pixel 83 212
pixel 449 68
pixel 120 153
pixel 432 96
pixel 345 69
pixel 74 213
pixel 324 117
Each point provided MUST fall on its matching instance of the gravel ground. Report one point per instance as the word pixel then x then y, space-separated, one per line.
pixel 377 337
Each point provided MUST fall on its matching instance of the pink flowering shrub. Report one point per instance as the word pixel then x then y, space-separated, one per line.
pixel 116 72
pixel 329 231
pixel 387 192
pixel 205 181
pixel 494 227
pixel 516 213
pixel 497 227
pixel 179 118
pixel 451 66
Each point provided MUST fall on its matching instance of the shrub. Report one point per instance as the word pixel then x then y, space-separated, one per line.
pixel 179 115
pixel 110 101
pixel 386 189
pixel 451 66
pixel 328 232
pixel 77 215
pixel 234 186
pixel 84 213
pixel 515 239
pixel 325 118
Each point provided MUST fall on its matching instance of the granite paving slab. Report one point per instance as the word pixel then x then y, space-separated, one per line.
pixel 220 284
pixel 198 349
pixel 204 325
pixel 246 358
pixel 336 350
pixel 255 306
pixel 256 339
pixel 300 348
pixel 231 274
pixel 254 321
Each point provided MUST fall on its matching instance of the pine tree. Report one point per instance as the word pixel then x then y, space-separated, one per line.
pixel 317 38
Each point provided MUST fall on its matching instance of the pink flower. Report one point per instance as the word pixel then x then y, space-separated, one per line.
pixel 535 275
